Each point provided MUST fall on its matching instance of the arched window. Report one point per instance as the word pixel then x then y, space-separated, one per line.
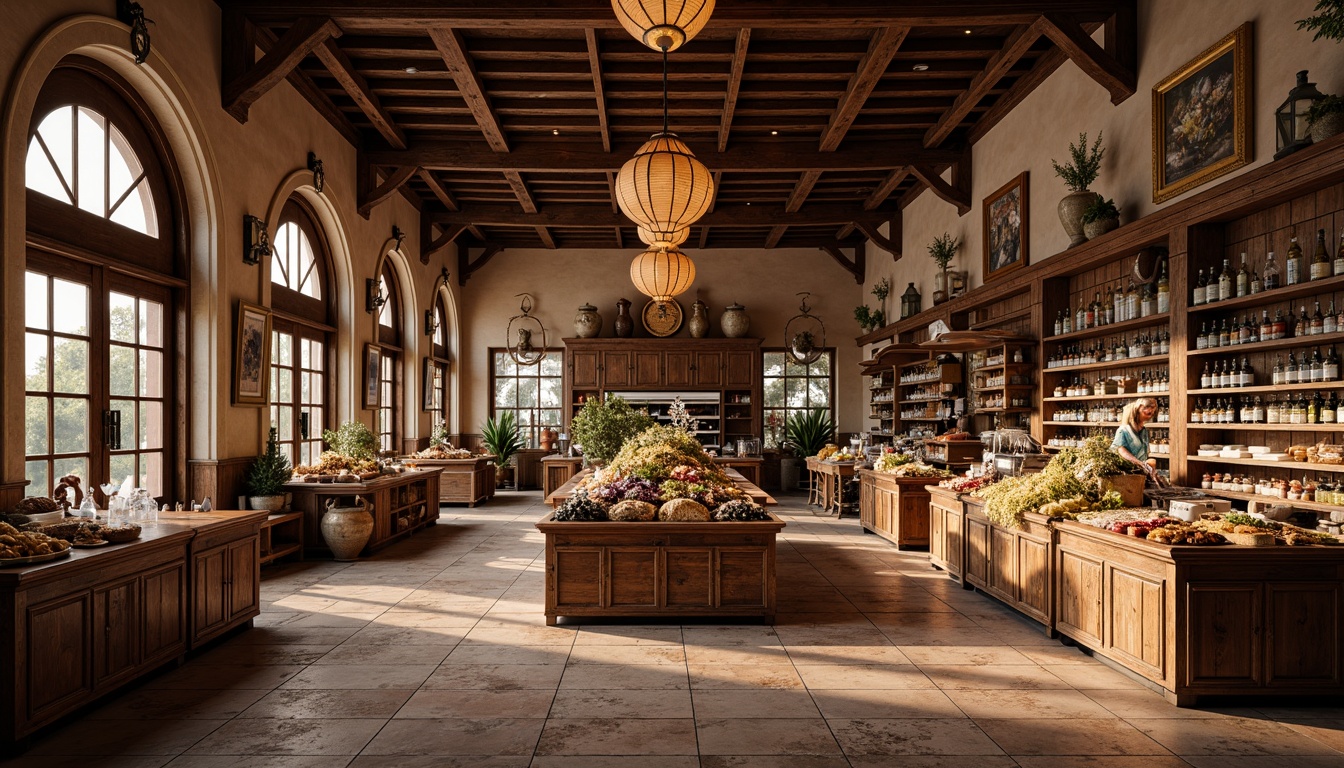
pixel 439 362
pixel 389 373
pixel 300 334
pixel 101 280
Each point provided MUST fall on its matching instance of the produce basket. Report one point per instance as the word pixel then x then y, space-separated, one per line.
pixel 1130 488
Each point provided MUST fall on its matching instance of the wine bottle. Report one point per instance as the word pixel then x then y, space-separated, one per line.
pixel 1321 267
pixel 1271 272
pixel 1317 321
pixel 1330 324
pixel 1257 284
pixel 1293 265
pixel 1164 288
pixel 1243 278
pixel 1198 296
pixel 1226 281
pixel 1330 368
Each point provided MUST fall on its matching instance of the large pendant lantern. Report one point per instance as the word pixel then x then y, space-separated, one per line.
pixel 661 274
pixel 663 239
pixel 663 25
pixel 664 188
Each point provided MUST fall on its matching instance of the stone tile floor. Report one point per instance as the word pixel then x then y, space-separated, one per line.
pixel 436 653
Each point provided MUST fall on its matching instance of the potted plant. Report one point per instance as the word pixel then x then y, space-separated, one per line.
pixel 1326 118
pixel 869 319
pixel 807 432
pixel 1100 217
pixel 1329 23
pixel 881 290
pixel 1078 174
pixel 502 438
pixel 353 440
pixel 267 476
pixel 941 250
pixel 602 427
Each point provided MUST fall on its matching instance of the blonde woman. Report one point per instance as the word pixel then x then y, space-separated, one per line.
pixel 1131 439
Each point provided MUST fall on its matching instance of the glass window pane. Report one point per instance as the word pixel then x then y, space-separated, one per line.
pixel 527 393
pixel 285 385
pixel 70 427
pixel 504 365
pixel 92 151
pixel 151 425
pixel 795 393
pixel 304 387
pixel 773 363
pixel 128 422
pixel 35 363
pixel 821 366
pixel 550 393
pixel 318 393
pixel 36 427
pixel 121 465
pixel 151 473
pixel 151 373
pixel 792 368
pixel 40 175
pixel 151 323
pixel 57 131
pixel 550 417
pixel 551 364
pixel 70 314
pixel 78 466
pixel 121 317
pixel 121 371
pixel 819 393
pixel 285 423
pixel 39 482
pixel 506 393
pixel 774 393
pixel 35 300
pixel 71 370
pixel 137 211
pixel 283 350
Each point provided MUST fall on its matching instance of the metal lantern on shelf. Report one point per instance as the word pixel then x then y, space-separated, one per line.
pixel 520 332
pixel 911 302
pixel 1290 119
pixel 805 334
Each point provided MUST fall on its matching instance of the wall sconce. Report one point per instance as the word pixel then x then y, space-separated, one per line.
pixel 319 175
pixel 432 318
pixel 256 243
pixel 374 297
pixel 131 14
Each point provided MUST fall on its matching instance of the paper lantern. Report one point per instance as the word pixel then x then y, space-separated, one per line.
pixel 663 25
pixel 661 274
pixel 664 188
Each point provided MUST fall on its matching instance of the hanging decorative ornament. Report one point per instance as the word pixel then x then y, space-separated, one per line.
pixel 131 14
pixel 805 334
pixel 662 274
pixel 519 339
pixel 663 25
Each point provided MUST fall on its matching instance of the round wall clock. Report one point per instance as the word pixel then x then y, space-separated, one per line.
pixel 662 318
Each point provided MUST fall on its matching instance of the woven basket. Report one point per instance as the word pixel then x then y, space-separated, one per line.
pixel 120 534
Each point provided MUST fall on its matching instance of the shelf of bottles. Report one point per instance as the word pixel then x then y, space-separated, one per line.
pixel 1159 445
pixel 882 403
pixel 926 392
pixel 1001 384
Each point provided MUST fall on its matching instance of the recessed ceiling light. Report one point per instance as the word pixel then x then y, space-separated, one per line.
pixel 774 133
pixel 968 31
pixel 412 70
pixel 555 131
pixel 748 202
pixel 921 67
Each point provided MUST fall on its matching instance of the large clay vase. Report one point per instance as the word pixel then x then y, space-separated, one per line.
pixel 624 325
pixel 1071 215
pixel 735 322
pixel 346 529
pixel 698 325
pixel 587 323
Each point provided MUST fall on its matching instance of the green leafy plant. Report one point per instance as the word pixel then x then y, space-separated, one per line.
pixel 501 436
pixel 1084 165
pixel 869 319
pixel 1329 23
pixel 1330 105
pixel 270 471
pixel 943 248
pixel 351 439
pixel 1100 209
pixel 809 431
pixel 882 289
pixel 438 436
pixel 602 427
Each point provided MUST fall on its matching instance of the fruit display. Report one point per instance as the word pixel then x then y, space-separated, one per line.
pixel 16 544
pixel 443 451
pixel 827 452
pixel 1285 534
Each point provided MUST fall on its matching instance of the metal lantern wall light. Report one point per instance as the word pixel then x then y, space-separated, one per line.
pixel 518 335
pixel 805 334
pixel 1290 119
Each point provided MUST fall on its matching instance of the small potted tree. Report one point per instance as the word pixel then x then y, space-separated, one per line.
pixel 502 438
pixel 1078 174
pixel 807 432
pixel 267 476
pixel 1100 217
pixel 941 250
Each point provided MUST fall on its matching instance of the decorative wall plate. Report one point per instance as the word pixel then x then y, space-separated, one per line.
pixel 662 318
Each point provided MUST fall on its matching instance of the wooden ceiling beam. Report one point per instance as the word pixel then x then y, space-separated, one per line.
pixel 438 190
pixel 450 233
pixel 388 188
pixel 563 156
pixel 520 191
pixel 320 101
pixel 892 244
pixel 1014 48
pixel 884 190
pixel 595 63
pixel 466 267
pixel 796 199
pixel 959 197
pixel 584 215
pixel 453 49
pixel 340 68
pixel 241 92
pixel 1066 33
pixel 856 266
pixel 734 86
pixel 881 48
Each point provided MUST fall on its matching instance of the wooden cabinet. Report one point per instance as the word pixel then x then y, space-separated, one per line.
pixel 677 369
pixel 402 504
pixel 977 550
pixel 895 508
pixel 617 369
pixel 739 369
pixel 115 650
pixel 648 368
pixel 1012 564
pixel 557 471
pixel 707 373
pixel 584 370
pixel 225 570
pixel 946 524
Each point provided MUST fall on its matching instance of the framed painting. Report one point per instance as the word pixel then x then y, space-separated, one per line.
pixel 1005 229
pixel 427 385
pixel 252 356
pixel 372 365
pixel 1202 117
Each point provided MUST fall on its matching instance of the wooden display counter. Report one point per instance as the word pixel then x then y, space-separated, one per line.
pixel 947 526
pixel 558 497
pixel 75 629
pixel 461 481
pixel 895 508
pixel 831 477
pixel 747 466
pixel 402 504
pixel 660 569
pixel 1011 564
pixel 557 470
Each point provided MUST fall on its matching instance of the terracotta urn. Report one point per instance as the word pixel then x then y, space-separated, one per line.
pixel 346 529
pixel 1071 215
pixel 624 325
pixel 734 321
pixel 698 325
pixel 587 323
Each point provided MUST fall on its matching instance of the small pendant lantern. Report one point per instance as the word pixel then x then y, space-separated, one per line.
pixel 1290 119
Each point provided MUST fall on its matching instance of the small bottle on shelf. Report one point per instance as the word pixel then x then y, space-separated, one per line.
pixel 1131 302
pixel 1271 272
pixel 1330 410
pixel 1272 413
pixel 1321 267
pixel 1293 268
pixel 1276 378
pixel 1068 321
pixel 1164 288
pixel 1317 321
pixel 1197 295
pixel 1243 278
pixel 1330 367
pixel 1059 323
pixel 1280 325
pixel 1257 284
pixel 1339 255
pixel 1330 323
pixel 1206 378
pixel 1226 281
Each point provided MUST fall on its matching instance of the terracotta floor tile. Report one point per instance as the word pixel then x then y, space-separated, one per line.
pixel 1100 761
pixel 622 704
pixel 620 761
pixel 745 635
pixel 1265 761
pixel 1142 704
pixel 629 635
pixel 935 761
pixel 289 737
pixel 628 654
pixel 1094 677
pixel 736 654
pixel 357 654
pixel 361 676
pixel 457 737
pixel 1230 736
pixel 863 677
pixel 1069 736
pixel 861 737
pixel 197 675
pixel 260 761
pixel 615 676
pixel 494 677
pixel 739 736
pixel 992 676
pixel 772 761
pixel 962 655
pixel 328 704
pixel 193 704
pixel 884 704
pixel 528 704
pixel 508 654
pixel 1012 704
pixel 753 703
pixel 710 676
pixel 612 736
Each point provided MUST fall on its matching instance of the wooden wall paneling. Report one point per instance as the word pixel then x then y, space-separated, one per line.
pixel 1303 632
pixel 1224 623
pixel 222 480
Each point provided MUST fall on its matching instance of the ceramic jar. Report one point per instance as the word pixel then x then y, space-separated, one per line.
pixel 734 321
pixel 587 323
pixel 698 325
pixel 624 325
pixel 1071 215
pixel 346 529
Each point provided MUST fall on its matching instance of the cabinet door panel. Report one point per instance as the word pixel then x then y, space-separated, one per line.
pixel 912 516
pixel 937 544
pixel 742 582
pixel 616 369
pixel 977 552
pixel 1002 564
pixel 1223 622
pixel 689 580
pixel 584 370
pixel 59 646
pixel 631 577
pixel 648 369
pixel 162 601
pixel 739 369
pixel 210 608
pixel 1033 577
pixel 708 369
pixel 244 564
pixel 953 542
pixel 867 504
pixel 677 369
pixel 1080 597
pixel 1138 619
pixel 1303 642
pixel 115 650
pixel 582 585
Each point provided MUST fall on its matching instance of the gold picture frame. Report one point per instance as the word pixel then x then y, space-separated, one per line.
pixel 1202 117
pixel 373 361
pixel 252 356
pixel 1007 228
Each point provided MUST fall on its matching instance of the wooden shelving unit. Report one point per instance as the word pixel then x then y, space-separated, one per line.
pixel 928 388
pixel 1001 385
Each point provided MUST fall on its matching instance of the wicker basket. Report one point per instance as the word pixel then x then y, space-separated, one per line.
pixel 120 534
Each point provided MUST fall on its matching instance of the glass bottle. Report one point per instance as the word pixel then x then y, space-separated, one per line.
pixel 1321 267
pixel 1317 321
pixel 1147 301
pixel 1224 335
pixel 1271 272
pixel 1164 288
pixel 1330 323
pixel 1339 255
pixel 1119 301
pixel 1266 326
pixel 1330 368
pixel 1059 323
pixel 1280 325
pixel 1246 377
pixel 1131 302
pixel 1198 295
pixel 1226 281
pixel 1272 414
pixel 1258 412
pixel 1293 264
pixel 1257 284
pixel 1276 377
pixel 1290 370
pixel 1108 307
pixel 1068 321
pixel 1330 412
pixel 1317 371
pixel 1243 278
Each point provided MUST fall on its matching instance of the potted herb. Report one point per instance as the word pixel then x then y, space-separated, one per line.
pixel 869 319
pixel 352 440
pixel 1326 118
pixel 1100 217
pixel 601 427
pixel 1078 174
pixel 881 290
pixel 502 438
pixel 267 476
pixel 941 250
pixel 1329 23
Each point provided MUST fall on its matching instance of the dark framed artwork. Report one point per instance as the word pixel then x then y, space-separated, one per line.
pixel 1005 229
pixel 1202 117
pixel 427 385
pixel 252 356
pixel 372 365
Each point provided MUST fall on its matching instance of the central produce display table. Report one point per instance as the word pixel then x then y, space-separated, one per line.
pixel 468 481
pixel 558 497
pixel 401 504
pixel 895 508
